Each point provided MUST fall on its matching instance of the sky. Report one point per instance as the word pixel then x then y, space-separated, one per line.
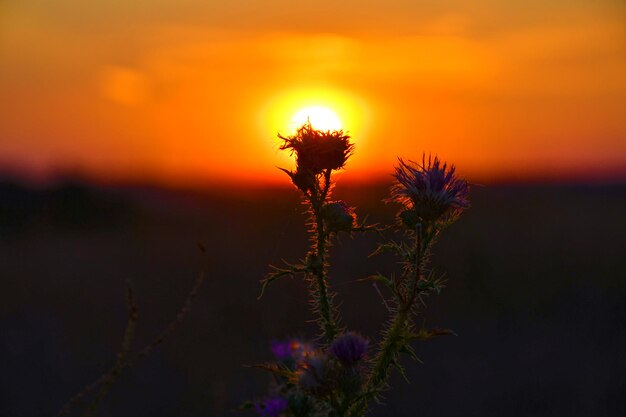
pixel 193 92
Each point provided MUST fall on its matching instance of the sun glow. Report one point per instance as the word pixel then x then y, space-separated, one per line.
pixel 321 117
pixel 328 108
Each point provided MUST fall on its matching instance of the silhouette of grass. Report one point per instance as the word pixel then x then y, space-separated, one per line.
pixel 124 358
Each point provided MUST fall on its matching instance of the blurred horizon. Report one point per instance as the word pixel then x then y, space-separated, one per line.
pixel 226 186
pixel 192 93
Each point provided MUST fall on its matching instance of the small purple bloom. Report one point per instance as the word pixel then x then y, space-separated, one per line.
pixel 271 407
pixel 281 349
pixel 349 348
pixel 290 349
pixel 431 190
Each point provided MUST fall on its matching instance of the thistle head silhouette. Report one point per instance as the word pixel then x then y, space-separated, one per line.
pixel 316 151
pixel 430 192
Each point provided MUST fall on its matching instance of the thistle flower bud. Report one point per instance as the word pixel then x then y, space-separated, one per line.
pixel 271 407
pixel 349 348
pixel 317 150
pixel 431 191
pixel 338 216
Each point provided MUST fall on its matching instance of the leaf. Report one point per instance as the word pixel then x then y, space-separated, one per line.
pixel 400 369
pixel 390 246
pixel 274 369
pixel 290 271
pixel 378 277
pixel 408 350
pixel 426 334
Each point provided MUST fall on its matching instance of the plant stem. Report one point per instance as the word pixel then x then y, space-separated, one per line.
pixel 319 288
pixel 395 337
pixel 330 327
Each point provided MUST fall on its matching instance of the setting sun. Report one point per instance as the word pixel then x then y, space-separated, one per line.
pixel 321 118
pixel 165 101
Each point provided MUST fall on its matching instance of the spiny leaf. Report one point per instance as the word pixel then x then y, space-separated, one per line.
pixel 390 246
pixel 408 350
pixel 291 270
pixel 378 277
pixel 400 369
pixel 274 369
pixel 425 334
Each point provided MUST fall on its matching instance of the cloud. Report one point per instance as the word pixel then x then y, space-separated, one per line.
pixel 123 85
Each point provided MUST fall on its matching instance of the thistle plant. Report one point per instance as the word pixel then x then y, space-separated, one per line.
pixel 319 153
pixel 341 373
pixel 431 197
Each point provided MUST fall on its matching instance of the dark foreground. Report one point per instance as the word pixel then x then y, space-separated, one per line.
pixel 536 292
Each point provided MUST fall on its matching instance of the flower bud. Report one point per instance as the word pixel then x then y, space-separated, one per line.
pixel 349 348
pixel 338 216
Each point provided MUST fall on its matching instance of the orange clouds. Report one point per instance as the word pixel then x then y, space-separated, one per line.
pixel 194 92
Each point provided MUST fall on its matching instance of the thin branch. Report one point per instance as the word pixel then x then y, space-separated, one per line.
pixel 106 380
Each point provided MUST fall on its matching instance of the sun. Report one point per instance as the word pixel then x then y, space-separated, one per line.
pixel 321 117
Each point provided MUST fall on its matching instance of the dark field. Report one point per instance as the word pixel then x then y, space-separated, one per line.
pixel 536 290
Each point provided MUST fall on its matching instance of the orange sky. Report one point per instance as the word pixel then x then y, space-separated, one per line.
pixel 193 92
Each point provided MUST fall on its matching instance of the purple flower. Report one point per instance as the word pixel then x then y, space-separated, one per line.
pixel 281 349
pixel 349 348
pixel 272 406
pixel 429 191
pixel 290 349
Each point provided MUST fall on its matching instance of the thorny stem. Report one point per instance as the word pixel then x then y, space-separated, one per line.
pixel 394 339
pixel 123 362
pixel 321 297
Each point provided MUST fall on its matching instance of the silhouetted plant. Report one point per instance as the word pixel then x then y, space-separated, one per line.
pixel 92 395
pixel 336 377
pixel 318 154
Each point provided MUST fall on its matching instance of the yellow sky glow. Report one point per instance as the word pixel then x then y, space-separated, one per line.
pixel 320 117
pixel 195 92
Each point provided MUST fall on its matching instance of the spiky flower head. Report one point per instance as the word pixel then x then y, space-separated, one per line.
pixel 271 407
pixel 338 216
pixel 317 150
pixel 349 348
pixel 429 191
